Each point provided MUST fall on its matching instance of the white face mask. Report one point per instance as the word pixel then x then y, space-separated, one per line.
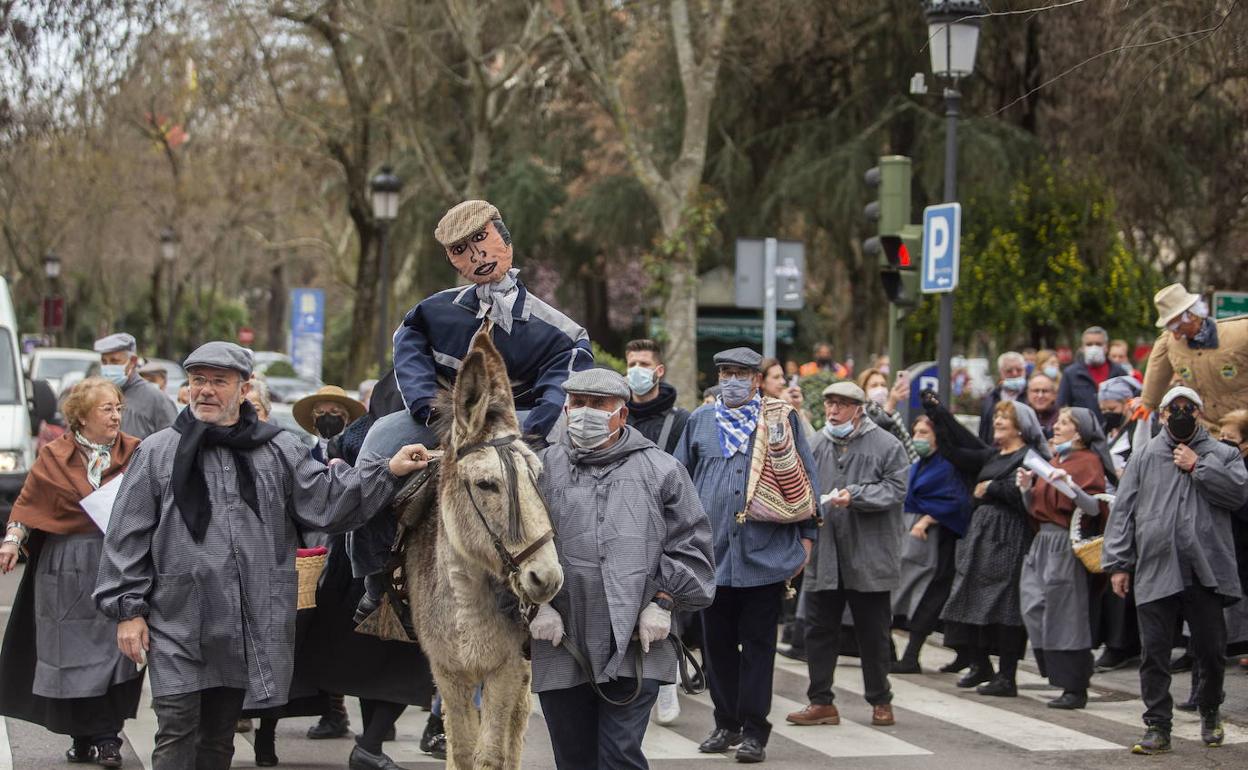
pixel 878 394
pixel 1093 355
pixel 589 427
pixel 640 380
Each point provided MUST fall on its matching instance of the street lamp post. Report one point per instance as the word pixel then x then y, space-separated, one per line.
pixel 385 188
pixel 953 36
pixel 169 253
pixel 52 305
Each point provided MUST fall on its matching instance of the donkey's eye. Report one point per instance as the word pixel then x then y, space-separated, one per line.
pixel 488 486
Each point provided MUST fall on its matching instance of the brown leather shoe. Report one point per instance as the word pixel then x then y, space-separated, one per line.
pixel 816 714
pixel 882 715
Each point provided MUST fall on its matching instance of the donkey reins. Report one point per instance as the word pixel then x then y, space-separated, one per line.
pixel 515 525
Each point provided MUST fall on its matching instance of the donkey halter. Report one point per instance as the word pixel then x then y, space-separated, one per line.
pixel 506 457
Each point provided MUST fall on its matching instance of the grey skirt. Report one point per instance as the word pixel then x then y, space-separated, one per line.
pixel 919 560
pixel 1054 592
pixel 77 645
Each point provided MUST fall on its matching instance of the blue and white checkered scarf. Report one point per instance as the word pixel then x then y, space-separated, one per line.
pixel 737 425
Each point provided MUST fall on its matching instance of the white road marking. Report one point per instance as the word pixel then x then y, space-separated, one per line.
pixel 6 753
pixel 848 739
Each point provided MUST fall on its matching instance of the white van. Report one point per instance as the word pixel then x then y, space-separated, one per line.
pixel 19 414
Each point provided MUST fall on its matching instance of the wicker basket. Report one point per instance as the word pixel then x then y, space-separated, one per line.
pixel 309 570
pixel 1087 550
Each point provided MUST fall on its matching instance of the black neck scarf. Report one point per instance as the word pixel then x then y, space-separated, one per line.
pixel 190 491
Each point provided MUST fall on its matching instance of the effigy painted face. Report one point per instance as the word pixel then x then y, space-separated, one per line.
pixel 483 257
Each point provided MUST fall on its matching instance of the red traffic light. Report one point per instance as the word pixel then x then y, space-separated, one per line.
pixel 903 256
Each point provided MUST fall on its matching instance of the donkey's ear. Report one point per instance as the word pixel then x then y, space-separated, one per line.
pixel 495 367
pixel 472 397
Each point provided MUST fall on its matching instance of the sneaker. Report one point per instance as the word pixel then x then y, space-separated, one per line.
pixel 667 705
pixel 1211 728
pixel 330 726
pixel 1155 741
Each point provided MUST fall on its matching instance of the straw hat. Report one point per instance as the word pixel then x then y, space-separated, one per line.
pixel 302 410
pixel 1171 302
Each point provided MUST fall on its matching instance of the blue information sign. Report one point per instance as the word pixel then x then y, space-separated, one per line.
pixel 942 228
pixel 307 331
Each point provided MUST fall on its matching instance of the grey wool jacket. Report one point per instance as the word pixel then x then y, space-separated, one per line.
pixel 628 524
pixel 860 544
pixel 147 409
pixel 221 613
pixel 1171 528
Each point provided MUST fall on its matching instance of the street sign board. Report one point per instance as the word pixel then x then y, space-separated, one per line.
pixel 53 313
pixel 307 331
pixel 1230 303
pixel 790 274
pixel 942 236
pixel 246 336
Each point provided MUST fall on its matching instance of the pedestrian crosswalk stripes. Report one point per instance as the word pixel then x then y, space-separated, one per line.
pixel 6 753
pixel 848 739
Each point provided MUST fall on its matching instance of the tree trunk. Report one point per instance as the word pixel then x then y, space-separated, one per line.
pixel 364 312
pixel 274 336
pixel 680 318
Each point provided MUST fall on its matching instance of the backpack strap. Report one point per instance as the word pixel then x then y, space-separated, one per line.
pixel 666 432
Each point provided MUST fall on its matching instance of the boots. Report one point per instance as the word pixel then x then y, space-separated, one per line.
pixel 1211 727
pixel 1156 740
pixel 333 723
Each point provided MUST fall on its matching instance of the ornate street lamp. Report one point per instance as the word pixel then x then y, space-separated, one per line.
pixel 169 253
pixel 385 188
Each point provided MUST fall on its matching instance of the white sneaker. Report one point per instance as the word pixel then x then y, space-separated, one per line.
pixel 667 707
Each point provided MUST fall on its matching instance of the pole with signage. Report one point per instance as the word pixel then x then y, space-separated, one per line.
pixel 307 331
pixel 769 276
pixel 769 298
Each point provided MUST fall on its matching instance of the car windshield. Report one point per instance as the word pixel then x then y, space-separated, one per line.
pixel 8 370
pixel 52 367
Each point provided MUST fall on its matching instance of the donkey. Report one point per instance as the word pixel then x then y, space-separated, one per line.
pixel 491 532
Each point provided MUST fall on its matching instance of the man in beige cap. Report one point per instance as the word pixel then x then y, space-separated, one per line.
pixel 1211 357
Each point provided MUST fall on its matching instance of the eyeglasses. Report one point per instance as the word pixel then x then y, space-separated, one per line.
pixel 1038 391
pixel 218 383
pixel 105 409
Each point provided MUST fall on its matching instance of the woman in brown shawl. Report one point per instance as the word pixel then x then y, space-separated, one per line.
pixel 60 666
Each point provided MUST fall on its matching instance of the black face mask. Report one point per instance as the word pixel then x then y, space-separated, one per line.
pixel 329 425
pixel 1112 420
pixel 1182 425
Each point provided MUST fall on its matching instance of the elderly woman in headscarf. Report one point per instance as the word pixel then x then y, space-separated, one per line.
pixel 983 614
pixel 1055 586
pixel 1118 398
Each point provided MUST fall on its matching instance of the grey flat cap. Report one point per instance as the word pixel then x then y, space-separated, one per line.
pixel 221 355
pixel 1181 391
pixel 114 342
pixel 845 389
pixel 151 367
pixel 597 382
pixel 739 357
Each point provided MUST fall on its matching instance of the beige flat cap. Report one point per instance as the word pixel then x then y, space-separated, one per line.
pixel 463 220
pixel 1171 302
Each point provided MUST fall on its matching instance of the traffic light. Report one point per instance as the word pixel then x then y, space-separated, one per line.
pixel 898 244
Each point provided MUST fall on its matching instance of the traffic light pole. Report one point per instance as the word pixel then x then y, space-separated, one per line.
pixel 770 246
pixel 945 339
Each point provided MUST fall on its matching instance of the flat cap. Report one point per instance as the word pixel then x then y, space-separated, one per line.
pixel 1182 391
pixel 845 389
pixel 221 355
pixel 114 342
pixel 597 382
pixel 153 367
pixel 739 357
pixel 463 220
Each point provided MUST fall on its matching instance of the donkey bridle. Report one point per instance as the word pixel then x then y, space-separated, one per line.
pixel 505 456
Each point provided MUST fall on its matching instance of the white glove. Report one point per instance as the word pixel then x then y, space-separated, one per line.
pixel 547 625
pixel 653 625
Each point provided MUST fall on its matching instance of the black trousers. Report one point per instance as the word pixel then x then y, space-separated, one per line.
pixel 739 638
pixel 1203 610
pixel 588 733
pixel 195 731
pixel 873 615
pixel 927 613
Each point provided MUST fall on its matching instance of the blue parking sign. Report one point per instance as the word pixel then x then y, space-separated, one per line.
pixel 942 230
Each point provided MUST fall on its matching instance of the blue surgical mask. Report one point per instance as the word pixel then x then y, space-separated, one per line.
pixel 922 447
pixel 839 429
pixel 1015 384
pixel 114 373
pixel 1051 371
pixel 640 380
pixel 1064 447
pixel 735 391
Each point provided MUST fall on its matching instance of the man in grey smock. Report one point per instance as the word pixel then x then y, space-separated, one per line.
pixel 198 565
pixel 148 409
pixel 635 545
pixel 858 558
pixel 1169 537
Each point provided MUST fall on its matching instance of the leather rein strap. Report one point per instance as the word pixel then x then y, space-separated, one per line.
pixel 510 562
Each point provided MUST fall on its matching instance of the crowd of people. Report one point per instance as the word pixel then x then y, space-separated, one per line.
pixel 718 527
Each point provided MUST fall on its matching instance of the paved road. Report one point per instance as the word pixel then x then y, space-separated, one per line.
pixel 938 726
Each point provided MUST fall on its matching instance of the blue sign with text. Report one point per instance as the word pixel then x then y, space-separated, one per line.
pixel 307 331
pixel 942 228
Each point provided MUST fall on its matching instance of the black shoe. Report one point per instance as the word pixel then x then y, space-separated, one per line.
pixel 976 675
pixel 265 746
pixel 1188 705
pixel 1181 663
pixel 751 751
pixel 433 729
pixel 1112 660
pixel 1211 728
pixel 1000 687
pixel 1155 741
pixel 330 726
pixel 793 653
pixel 721 740
pixel 437 749
pixel 80 754
pixel 365 608
pixel 108 753
pixel 956 666
pixel 906 666
pixel 1070 700
pixel 391 735
pixel 366 760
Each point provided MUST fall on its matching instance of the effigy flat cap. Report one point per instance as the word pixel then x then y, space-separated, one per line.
pixel 463 220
